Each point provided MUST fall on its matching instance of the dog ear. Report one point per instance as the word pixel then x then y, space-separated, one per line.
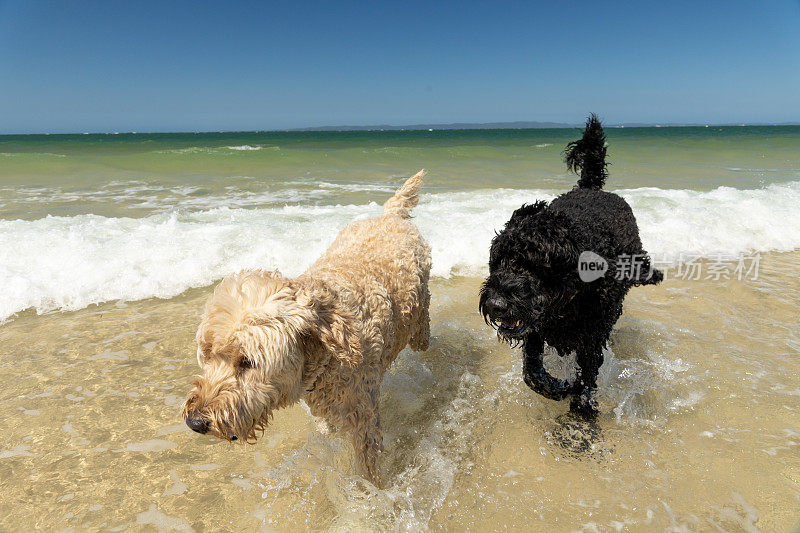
pixel 338 334
pixel 519 216
pixel 549 245
pixel 334 327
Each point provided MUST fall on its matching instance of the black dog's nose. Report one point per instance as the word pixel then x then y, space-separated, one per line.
pixel 197 423
pixel 495 307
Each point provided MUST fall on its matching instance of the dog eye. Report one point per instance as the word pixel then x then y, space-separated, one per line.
pixel 245 363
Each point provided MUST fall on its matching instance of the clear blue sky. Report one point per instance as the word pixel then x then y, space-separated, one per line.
pixel 75 66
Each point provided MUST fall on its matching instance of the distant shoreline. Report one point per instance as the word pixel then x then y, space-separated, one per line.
pixel 520 125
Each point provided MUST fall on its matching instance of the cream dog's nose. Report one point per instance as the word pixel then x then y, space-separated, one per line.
pixel 197 423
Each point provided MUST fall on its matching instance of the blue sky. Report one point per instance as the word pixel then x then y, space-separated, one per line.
pixel 207 66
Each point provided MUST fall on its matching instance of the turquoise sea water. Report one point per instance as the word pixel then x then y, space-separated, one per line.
pixel 686 157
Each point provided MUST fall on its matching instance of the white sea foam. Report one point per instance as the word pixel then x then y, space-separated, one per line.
pixel 723 220
pixel 159 198
pixel 245 147
pixel 30 154
pixel 355 187
pixel 71 262
pixel 213 149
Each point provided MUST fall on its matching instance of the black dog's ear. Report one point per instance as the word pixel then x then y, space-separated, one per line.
pixel 538 240
pixel 548 244
pixel 519 216
pixel 506 242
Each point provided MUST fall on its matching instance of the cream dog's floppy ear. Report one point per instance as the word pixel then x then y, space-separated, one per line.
pixel 339 336
pixel 336 330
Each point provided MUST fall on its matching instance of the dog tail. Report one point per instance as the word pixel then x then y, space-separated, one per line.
pixel 406 197
pixel 588 155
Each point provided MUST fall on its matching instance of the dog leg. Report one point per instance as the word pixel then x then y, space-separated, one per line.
pixel 367 436
pixel 534 374
pixel 589 361
pixel 368 445
pixel 420 340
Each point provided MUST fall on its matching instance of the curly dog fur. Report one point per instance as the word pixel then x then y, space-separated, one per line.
pixel 534 294
pixel 326 337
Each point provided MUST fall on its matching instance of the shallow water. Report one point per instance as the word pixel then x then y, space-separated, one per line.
pixel 109 246
pixel 700 425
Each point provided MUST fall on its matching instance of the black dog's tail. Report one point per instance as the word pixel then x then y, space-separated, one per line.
pixel 588 155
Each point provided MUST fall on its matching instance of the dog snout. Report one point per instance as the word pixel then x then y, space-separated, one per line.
pixel 495 306
pixel 197 423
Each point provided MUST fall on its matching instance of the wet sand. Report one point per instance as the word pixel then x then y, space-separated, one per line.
pixel 699 429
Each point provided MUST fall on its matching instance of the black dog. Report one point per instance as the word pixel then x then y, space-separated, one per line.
pixel 535 293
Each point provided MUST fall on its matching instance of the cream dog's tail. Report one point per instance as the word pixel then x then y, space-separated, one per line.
pixel 406 198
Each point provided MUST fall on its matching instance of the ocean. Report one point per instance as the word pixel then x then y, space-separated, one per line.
pixel 109 245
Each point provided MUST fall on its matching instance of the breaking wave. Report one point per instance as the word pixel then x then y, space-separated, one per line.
pixel 71 262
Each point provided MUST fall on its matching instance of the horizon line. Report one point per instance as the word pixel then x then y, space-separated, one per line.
pixel 451 126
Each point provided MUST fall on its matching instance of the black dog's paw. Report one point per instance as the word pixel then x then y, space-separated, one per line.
pixel 541 382
pixel 584 404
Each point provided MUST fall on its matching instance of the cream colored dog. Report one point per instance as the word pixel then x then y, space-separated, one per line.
pixel 326 337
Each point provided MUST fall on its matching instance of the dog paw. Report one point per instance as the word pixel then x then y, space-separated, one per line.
pixel 543 383
pixel 584 404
